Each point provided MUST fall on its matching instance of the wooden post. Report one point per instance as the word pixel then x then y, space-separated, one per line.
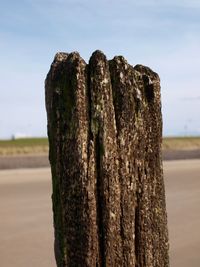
pixel 105 132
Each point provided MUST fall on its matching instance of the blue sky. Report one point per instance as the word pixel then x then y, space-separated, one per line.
pixel 163 35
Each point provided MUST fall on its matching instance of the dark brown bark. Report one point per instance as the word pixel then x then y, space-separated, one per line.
pixel 105 131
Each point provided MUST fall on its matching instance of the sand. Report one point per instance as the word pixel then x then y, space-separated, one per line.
pixel 182 179
pixel 26 227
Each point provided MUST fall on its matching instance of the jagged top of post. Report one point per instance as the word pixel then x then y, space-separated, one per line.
pixel 147 71
pixel 98 54
pixel 99 58
pixel 60 56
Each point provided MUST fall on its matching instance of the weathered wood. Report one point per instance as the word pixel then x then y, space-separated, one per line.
pixel 105 132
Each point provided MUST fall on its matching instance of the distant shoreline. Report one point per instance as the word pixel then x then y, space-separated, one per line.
pixel 181 154
pixel 41 160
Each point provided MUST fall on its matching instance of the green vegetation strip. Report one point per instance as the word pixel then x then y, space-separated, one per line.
pixel 30 146
pixel 181 143
pixel 24 146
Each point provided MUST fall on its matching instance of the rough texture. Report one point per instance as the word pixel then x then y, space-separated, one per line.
pixel 105 131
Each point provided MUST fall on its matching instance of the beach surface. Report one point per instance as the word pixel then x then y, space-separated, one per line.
pixel 26 226
pixel 182 182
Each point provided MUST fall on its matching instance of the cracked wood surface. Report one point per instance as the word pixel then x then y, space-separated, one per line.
pixel 105 132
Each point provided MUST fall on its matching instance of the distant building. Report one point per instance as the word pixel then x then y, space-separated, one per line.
pixel 19 136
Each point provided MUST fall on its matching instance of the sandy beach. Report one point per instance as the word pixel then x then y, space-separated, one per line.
pixel 26 226
pixel 182 182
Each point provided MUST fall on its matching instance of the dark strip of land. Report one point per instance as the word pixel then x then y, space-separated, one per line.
pixel 181 154
pixel 39 161
pixel 23 161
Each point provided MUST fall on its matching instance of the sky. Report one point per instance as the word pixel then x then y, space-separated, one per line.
pixel 161 34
